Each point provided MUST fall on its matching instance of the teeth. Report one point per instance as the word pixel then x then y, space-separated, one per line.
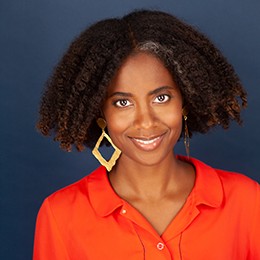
pixel 146 141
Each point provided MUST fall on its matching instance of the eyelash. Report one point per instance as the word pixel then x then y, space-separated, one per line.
pixel 127 103
pixel 167 96
pixel 118 103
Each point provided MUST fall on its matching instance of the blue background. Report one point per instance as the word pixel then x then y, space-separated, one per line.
pixel 33 36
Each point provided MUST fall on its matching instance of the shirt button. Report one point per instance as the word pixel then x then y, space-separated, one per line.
pixel 123 211
pixel 160 246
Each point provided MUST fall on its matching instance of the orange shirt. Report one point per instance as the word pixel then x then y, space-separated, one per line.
pixel 88 220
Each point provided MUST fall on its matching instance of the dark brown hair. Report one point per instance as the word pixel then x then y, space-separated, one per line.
pixel 74 94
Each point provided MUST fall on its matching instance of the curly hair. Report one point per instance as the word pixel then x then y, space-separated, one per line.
pixel 74 94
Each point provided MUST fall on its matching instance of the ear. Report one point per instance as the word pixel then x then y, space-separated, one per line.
pixel 101 113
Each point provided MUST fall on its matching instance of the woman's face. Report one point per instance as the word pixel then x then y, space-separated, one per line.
pixel 143 110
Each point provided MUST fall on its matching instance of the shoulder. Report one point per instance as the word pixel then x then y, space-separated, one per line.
pixel 240 187
pixel 73 196
pixel 236 188
pixel 242 197
pixel 231 181
pixel 238 181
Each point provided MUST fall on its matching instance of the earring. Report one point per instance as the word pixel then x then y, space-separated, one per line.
pixel 186 132
pixel 108 164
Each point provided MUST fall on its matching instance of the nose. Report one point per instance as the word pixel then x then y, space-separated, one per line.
pixel 145 117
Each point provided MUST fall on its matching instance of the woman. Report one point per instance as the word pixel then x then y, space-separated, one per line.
pixel 140 83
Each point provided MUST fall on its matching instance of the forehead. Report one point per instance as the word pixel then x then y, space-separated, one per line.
pixel 141 71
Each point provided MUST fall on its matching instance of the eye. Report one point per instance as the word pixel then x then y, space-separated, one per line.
pixel 122 103
pixel 162 98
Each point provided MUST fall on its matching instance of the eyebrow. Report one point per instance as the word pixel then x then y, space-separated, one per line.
pixel 153 92
pixel 160 89
pixel 122 94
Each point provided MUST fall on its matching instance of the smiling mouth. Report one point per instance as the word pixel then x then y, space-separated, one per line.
pixel 147 144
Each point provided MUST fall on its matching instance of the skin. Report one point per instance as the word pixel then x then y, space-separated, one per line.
pixel 143 111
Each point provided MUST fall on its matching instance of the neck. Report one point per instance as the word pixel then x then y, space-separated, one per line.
pixel 147 182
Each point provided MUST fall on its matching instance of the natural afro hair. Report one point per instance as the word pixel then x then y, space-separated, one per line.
pixel 74 95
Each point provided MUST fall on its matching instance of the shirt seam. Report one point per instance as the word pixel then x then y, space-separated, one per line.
pixel 140 240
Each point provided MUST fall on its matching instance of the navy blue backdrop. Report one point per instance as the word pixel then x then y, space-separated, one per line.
pixel 33 36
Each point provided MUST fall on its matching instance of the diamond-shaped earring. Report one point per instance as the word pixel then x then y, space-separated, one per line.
pixel 108 164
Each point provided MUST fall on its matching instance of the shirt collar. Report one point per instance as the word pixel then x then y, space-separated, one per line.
pixel 208 189
pixel 102 197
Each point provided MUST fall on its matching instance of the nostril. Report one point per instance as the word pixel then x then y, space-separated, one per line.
pixel 145 120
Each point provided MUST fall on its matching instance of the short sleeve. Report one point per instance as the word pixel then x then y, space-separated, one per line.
pixel 48 243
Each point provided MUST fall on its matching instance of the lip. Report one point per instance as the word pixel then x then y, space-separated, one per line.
pixel 147 143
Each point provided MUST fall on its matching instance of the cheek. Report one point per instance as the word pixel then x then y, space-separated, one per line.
pixel 172 117
pixel 175 123
pixel 116 124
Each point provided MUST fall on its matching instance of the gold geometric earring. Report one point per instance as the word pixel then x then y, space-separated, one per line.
pixel 186 132
pixel 108 164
